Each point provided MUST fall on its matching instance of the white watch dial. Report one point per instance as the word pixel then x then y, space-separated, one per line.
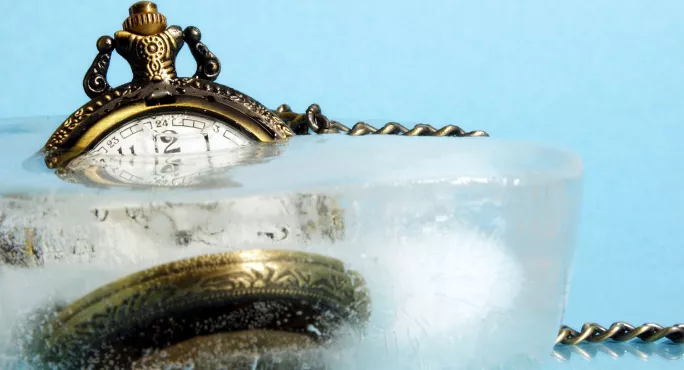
pixel 164 150
pixel 171 134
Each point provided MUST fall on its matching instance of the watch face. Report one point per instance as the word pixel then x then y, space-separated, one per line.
pixel 171 149
pixel 171 133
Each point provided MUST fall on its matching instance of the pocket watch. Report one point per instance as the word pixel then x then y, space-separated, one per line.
pixel 157 113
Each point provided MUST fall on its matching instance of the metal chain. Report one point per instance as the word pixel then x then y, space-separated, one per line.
pixel 314 121
pixel 620 332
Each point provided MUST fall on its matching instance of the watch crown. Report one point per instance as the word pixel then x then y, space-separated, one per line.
pixel 144 19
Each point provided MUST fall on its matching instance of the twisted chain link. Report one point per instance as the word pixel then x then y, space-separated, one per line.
pixel 620 332
pixel 314 121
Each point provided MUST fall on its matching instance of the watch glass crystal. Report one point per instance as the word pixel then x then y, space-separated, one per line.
pixel 171 149
pixel 171 134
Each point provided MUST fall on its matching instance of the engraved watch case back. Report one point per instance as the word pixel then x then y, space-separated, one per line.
pixel 198 228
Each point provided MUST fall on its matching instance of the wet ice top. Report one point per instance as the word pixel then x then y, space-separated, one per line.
pixel 304 163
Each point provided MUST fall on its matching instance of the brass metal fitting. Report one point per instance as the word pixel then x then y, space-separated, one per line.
pixel 144 19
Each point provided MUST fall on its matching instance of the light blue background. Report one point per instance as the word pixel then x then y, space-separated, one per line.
pixel 605 78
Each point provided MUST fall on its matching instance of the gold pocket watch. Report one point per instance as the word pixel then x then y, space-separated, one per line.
pixel 158 112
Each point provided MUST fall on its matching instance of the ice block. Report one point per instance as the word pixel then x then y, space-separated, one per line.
pixel 464 244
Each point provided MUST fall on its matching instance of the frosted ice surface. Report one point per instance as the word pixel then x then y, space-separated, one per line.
pixel 465 244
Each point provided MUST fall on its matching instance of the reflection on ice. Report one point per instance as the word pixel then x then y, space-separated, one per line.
pixel 164 170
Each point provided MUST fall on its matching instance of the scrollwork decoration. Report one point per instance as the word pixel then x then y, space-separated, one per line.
pixel 95 81
pixel 208 64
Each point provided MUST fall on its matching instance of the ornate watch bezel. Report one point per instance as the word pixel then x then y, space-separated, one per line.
pixel 84 129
